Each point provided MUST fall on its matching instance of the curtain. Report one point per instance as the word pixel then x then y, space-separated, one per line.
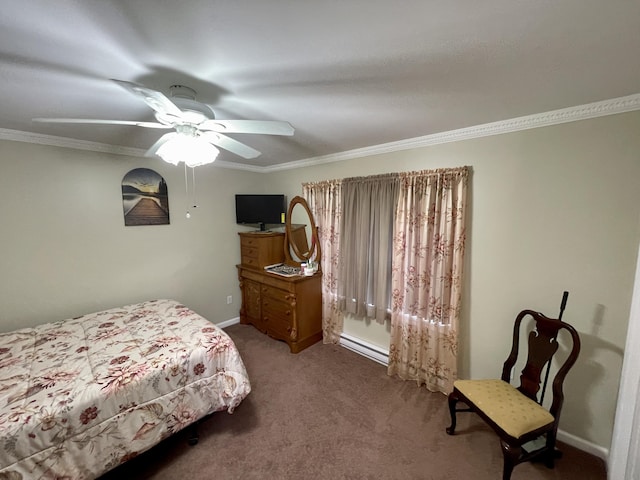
pixel 368 207
pixel 426 278
pixel 324 199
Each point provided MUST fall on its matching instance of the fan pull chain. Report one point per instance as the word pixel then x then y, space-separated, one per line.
pixel 186 189
pixel 193 183
pixel 193 189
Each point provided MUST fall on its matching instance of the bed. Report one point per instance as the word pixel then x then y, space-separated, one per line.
pixel 81 396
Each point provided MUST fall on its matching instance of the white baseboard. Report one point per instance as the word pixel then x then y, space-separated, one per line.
pixel 583 445
pixel 365 349
pixel 228 323
pixel 381 356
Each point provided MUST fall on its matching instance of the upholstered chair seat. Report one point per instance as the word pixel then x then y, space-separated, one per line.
pixel 509 409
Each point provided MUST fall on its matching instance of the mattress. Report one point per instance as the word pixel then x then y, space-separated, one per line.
pixel 81 396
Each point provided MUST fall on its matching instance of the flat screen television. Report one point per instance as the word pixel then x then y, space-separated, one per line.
pixel 260 210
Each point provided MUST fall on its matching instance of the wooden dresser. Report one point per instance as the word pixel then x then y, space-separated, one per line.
pixel 285 308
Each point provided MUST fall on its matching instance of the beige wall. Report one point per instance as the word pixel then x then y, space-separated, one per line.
pixel 65 251
pixel 551 209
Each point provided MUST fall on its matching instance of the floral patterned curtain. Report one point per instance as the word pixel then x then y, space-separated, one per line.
pixel 324 199
pixel 426 279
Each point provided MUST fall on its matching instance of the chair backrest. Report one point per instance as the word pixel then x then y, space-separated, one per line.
pixel 542 345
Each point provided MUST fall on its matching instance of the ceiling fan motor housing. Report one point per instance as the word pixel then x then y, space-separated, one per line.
pixel 180 91
pixel 194 111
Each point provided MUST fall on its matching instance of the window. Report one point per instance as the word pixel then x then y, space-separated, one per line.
pixel 366 246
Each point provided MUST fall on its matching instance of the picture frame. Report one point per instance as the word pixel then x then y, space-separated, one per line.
pixel 145 198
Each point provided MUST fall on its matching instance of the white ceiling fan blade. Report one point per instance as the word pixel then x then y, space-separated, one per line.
pixel 101 122
pixel 156 100
pixel 161 141
pixel 233 146
pixel 264 127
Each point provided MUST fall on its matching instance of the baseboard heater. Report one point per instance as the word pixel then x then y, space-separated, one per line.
pixel 372 352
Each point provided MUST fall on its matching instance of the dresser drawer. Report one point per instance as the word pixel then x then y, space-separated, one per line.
pixel 249 255
pixel 277 311
pixel 276 303
pixel 249 241
pixel 248 251
pixel 250 261
pixel 276 293
pixel 273 307
pixel 279 327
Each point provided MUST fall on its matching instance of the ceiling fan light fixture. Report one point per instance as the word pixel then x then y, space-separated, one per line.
pixel 197 132
pixel 192 150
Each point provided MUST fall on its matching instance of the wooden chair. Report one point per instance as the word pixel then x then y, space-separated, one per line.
pixel 515 414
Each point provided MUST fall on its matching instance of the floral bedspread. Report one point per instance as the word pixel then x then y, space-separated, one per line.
pixel 81 396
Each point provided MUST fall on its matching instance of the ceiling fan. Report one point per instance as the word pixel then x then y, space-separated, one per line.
pixel 194 123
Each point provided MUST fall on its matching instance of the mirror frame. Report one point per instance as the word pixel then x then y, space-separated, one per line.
pixel 314 247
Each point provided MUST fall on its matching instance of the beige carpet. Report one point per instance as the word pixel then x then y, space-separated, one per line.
pixel 329 413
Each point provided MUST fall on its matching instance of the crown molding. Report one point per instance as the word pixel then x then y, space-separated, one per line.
pixel 554 117
pixel 239 166
pixel 65 142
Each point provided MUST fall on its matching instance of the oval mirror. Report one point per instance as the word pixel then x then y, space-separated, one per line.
pixel 301 235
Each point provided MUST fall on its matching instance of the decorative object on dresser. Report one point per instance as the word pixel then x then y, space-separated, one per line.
pixel 301 239
pixel 278 298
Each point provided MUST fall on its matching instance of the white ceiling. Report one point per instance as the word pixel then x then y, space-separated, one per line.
pixel 346 74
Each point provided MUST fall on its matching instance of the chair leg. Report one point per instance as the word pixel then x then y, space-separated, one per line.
pixel 511 455
pixel 551 453
pixel 453 400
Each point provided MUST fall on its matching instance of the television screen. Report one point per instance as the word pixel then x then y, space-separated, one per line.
pixel 260 209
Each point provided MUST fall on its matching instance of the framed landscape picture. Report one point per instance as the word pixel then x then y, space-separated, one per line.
pixel 145 198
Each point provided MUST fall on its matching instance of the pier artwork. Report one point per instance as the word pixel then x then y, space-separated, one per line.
pixel 145 198
pixel 147 212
